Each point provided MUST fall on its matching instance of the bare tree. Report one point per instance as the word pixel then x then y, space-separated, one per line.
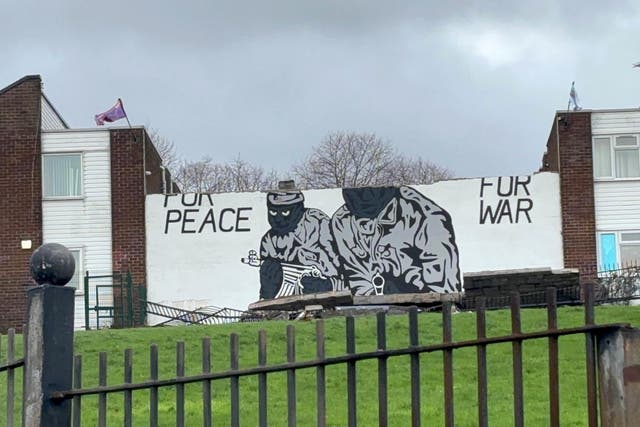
pixel 166 149
pixel 349 159
pixel 206 176
pixel 200 176
pixel 418 171
pixel 346 159
pixel 247 177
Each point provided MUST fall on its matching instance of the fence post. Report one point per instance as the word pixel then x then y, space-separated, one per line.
pixel 619 372
pixel 49 338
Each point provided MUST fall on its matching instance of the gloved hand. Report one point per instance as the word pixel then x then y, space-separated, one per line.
pixel 270 278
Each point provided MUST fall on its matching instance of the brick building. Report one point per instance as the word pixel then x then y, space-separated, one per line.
pixel 84 188
pixel 597 155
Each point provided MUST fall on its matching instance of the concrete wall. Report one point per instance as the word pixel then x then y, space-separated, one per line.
pixel 210 249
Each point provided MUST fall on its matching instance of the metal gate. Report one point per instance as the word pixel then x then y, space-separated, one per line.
pixel 111 298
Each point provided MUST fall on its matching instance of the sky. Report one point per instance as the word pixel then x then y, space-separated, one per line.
pixel 472 86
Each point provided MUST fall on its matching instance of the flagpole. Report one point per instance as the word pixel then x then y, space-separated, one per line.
pixel 126 116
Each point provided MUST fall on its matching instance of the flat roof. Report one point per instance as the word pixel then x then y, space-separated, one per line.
pixel 601 110
pixel 94 129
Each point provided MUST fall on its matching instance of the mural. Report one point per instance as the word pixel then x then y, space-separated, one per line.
pixel 297 255
pixel 368 240
pixel 383 240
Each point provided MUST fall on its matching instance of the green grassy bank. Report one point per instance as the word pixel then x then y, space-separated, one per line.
pixel 572 370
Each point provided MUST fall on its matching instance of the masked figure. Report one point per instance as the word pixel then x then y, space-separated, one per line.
pixel 395 240
pixel 297 253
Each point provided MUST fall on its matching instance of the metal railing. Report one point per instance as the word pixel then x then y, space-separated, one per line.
pixel 350 360
pixel 9 368
pixel 209 315
pixel 619 285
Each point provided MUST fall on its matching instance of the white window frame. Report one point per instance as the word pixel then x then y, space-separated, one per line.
pixel 619 243
pixel 63 153
pixel 612 155
pixel 79 268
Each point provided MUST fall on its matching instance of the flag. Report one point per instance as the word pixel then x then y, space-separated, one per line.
pixel 573 98
pixel 112 114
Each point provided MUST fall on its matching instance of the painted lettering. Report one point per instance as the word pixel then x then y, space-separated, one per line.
pixel 484 183
pixel 187 202
pixel 177 216
pixel 524 206
pixel 239 218
pixel 186 220
pixel 511 207
pixel 208 196
pixel 222 213
pixel 192 221
pixel 523 184
pixel 509 188
pixel 488 212
pixel 166 198
pixel 505 210
pixel 208 219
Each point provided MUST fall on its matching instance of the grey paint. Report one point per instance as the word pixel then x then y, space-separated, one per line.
pixel 619 369
pixel 383 240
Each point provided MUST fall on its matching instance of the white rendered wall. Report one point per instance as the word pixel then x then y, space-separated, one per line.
pixel 84 223
pixel 189 268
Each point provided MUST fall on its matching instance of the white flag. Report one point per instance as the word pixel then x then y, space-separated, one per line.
pixel 573 98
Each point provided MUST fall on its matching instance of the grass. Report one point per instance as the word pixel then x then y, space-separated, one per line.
pixel 572 370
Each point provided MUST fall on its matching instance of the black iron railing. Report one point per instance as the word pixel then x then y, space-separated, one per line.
pixel 9 368
pixel 350 360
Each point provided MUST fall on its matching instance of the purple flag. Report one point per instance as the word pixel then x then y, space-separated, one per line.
pixel 112 114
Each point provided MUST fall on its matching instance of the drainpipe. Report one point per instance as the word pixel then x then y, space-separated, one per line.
pixel 164 180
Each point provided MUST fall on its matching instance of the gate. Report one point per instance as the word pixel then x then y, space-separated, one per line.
pixel 110 298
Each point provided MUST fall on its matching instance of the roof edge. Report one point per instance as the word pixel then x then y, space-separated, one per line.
pixel 54 110
pixel 600 110
pixel 20 81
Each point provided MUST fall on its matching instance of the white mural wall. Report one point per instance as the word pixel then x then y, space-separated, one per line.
pixel 211 249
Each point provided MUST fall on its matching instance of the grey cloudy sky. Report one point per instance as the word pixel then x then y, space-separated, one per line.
pixel 472 86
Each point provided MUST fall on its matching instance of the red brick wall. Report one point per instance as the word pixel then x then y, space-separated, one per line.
pixel 128 204
pixel 576 191
pixel 21 190
pixel 130 161
pixel 152 165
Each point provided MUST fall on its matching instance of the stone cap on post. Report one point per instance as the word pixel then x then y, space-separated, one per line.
pixel 52 264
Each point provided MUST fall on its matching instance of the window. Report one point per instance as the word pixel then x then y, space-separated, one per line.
pixel 602 157
pixel 77 278
pixel 62 175
pixel 629 248
pixel 616 157
pixel 619 250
